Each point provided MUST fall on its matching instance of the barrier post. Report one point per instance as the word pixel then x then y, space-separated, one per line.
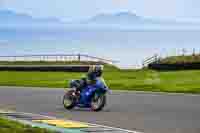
pixel 79 57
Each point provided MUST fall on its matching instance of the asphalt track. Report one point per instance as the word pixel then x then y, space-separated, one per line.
pixel 148 113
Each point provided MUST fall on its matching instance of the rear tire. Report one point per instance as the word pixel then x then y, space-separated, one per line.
pixel 100 104
pixel 69 99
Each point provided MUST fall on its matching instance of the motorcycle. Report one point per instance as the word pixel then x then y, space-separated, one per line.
pixel 91 96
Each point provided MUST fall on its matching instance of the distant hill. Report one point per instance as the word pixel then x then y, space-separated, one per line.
pixel 121 18
pixel 11 17
pixel 131 20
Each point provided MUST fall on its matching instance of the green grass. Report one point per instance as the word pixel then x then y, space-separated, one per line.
pixel 140 80
pixel 8 126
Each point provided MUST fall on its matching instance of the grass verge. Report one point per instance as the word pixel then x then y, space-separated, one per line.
pixel 181 59
pixel 8 126
pixel 139 80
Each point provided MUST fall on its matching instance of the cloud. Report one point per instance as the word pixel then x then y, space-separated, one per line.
pixel 3 41
pixel 4 44
pixel 120 2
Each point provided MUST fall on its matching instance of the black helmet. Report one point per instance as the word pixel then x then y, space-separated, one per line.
pixel 96 69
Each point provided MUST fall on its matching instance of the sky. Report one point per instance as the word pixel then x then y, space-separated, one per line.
pixel 137 44
pixel 79 9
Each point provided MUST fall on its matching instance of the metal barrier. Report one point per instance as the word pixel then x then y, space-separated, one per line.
pixel 85 59
pixel 150 60
pixel 56 57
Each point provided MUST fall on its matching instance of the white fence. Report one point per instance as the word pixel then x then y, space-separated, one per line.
pixel 56 57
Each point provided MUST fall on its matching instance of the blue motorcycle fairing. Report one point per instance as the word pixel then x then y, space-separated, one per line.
pixel 87 93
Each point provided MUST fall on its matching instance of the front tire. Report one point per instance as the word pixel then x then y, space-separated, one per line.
pixel 69 99
pixel 98 102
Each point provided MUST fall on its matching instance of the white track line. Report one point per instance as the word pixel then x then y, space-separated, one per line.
pixel 50 117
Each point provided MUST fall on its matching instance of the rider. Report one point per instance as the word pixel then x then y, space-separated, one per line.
pixel 94 73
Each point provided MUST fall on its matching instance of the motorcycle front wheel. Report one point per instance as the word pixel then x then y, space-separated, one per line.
pixel 98 102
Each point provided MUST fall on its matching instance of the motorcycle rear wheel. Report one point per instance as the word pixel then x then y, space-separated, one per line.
pixel 69 99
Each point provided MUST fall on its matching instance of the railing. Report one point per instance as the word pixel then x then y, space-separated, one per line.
pixel 56 57
pixel 154 58
pixel 176 52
